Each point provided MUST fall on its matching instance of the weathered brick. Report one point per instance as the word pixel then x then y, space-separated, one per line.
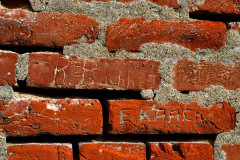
pixel 190 76
pixel 8 63
pixel 50 117
pixel 111 150
pixel 231 151
pixel 130 33
pixel 181 151
pixel 39 151
pixel 151 117
pixel 45 29
pixel 60 71
pixel 216 6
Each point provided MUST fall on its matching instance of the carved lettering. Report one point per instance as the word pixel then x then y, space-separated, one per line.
pixel 144 115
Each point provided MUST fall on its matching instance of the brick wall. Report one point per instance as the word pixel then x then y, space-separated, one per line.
pixel 144 79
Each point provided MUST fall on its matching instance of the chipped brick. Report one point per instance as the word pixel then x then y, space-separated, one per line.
pixel 181 151
pixel 50 117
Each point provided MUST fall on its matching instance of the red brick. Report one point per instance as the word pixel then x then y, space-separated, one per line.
pixel 50 117
pixel 217 6
pixel 58 71
pixel 151 117
pixel 36 151
pixel 231 151
pixel 110 151
pixel 45 29
pixel 130 33
pixel 190 76
pixel 8 63
pixel 181 151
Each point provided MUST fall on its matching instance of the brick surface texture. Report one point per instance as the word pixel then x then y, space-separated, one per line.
pixel 50 117
pixel 231 151
pixel 149 117
pixel 8 62
pixel 181 151
pixel 130 33
pixel 56 71
pixel 45 29
pixel 109 151
pixel 217 6
pixel 190 76
pixel 120 80
pixel 35 151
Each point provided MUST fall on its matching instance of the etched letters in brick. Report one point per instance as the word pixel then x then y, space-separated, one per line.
pixel 57 71
pixel 150 117
pixel 190 76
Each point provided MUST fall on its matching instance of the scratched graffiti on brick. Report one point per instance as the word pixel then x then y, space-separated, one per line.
pixel 58 71
pixel 136 116
pixel 190 76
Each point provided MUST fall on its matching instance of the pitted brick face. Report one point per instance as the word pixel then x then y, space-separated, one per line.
pixel 130 33
pixel 45 29
pixel 57 71
pixel 190 76
pixel 181 151
pixel 217 6
pixel 231 151
pixel 8 63
pixel 35 151
pixel 110 151
pixel 50 117
pixel 150 117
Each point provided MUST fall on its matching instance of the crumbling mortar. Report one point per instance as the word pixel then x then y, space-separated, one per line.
pixel 22 66
pixel 168 54
pixel 231 137
pixel 109 12
pixel 3 148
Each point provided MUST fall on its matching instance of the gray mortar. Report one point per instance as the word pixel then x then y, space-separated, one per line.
pixel 147 94
pixel 232 137
pixel 6 93
pixel 22 66
pixel 109 12
pixel 168 54
pixel 3 148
